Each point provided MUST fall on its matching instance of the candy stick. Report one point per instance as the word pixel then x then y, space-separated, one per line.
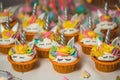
pixel 34 9
pixel 47 23
pixel 23 38
pixel 66 14
pixel 1 6
pixel 63 42
pixel 107 38
pixel 7 23
pixel 90 22
pixel 106 8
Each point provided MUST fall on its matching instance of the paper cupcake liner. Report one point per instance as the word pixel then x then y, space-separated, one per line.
pixel 29 36
pixel 106 66
pixel 64 67
pixel 85 48
pixel 23 66
pixel 113 33
pixel 5 48
pixel 43 53
pixel 69 36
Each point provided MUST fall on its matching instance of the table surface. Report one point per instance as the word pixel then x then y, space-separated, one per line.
pixel 45 70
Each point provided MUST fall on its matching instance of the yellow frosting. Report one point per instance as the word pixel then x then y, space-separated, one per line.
pixel 99 51
pixel 26 23
pixel 7 34
pixel 70 24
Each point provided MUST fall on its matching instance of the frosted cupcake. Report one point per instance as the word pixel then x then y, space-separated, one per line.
pixel 106 57
pixel 45 40
pixel 33 24
pixel 88 38
pixel 69 27
pixel 64 58
pixel 23 56
pixel 8 36
pixel 105 21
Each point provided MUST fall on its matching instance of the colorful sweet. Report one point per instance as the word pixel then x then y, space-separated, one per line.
pixel 86 74
pixel 106 57
pixel 8 36
pixel 45 40
pixel 4 75
pixel 69 27
pixel 23 55
pixel 106 21
pixel 88 38
pixel 64 57
pixel 116 41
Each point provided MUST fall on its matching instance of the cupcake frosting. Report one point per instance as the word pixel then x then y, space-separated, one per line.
pixel 64 54
pixel 8 36
pixel 33 23
pixel 46 39
pixel 22 52
pixel 105 52
pixel 89 37
pixel 69 26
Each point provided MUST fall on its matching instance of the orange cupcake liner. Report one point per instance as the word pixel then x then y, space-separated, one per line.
pixel 69 36
pixel 106 66
pixel 113 33
pixel 64 67
pixel 29 36
pixel 43 53
pixel 85 48
pixel 5 48
pixel 23 66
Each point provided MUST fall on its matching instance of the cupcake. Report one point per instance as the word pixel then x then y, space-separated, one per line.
pixel 23 55
pixel 69 27
pixel 88 38
pixel 106 57
pixel 106 21
pixel 64 58
pixel 33 24
pixel 8 36
pixel 45 40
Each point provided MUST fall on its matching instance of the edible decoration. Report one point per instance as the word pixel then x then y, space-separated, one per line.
pixel 90 37
pixel 46 38
pixel 116 42
pixel 7 24
pixel 86 74
pixel 22 52
pixel 62 39
pixel 47 23
pixel 90 22
pixel 105 52
pixel 65 78
pixel 63 54
pixel 107 36
pixel 5 75
pixel 66 14
pixel 8 36
pixel 34 9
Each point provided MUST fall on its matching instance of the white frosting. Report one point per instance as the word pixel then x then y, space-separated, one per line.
pixel 89 41
pixel 107 57
pixel 22 57
pixel 7 41
pixel 105 25
pixel 3 19
pixel 69 30
pixel 33 28
pixel 66 59
pixel 46 43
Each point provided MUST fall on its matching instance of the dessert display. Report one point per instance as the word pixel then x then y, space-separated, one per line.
pixel 8 36
pixel 106 57
pixel 64 58
pixel 69 27
pixel 100 3
pixel 88 38
pixel 33 24
pixel 106 21
pixel 23 56
pixel 46 39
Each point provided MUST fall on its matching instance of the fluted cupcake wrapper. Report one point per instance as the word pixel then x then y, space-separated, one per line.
pixel 106 66
pixel 23 66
